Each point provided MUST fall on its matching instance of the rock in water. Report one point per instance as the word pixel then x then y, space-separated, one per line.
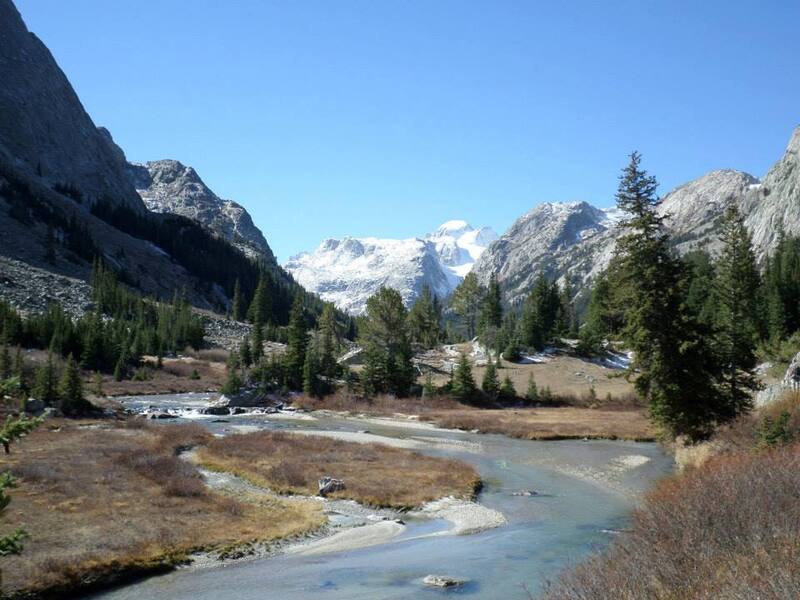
pixel 442 581
pixel 328 485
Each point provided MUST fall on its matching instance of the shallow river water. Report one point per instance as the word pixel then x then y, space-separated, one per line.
pixel 587 490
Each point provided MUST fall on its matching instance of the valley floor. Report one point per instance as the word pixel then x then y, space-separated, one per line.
pixel 104 501
pixel 537 423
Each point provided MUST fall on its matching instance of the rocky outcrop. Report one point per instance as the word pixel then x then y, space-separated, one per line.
pixel 560 239
pixel 576 241
pixel 775 204
pixel 348 271
pixel 44 130
pixel 168 186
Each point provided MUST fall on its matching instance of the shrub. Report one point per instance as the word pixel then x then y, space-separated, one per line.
pixel 728 529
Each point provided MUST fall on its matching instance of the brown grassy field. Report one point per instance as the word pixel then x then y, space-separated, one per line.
pixel 101 501
pixel 563 374
pixel 728 529
pixel 374 474
pixel 617 419
pixel 174 377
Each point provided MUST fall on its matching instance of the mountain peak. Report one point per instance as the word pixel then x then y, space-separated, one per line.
pixel 348 271
pixel 453 228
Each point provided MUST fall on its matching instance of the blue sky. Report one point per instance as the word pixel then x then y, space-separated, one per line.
pixel 388 117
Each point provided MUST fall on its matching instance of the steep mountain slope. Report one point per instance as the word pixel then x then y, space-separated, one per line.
pixel 347 272
pixel 66 197
pixel 167 186
pixel 44 130
pixel 576 241
pixel 775 204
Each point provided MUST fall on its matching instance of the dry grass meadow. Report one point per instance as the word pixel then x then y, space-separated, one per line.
pixel 101 501
pixel 374 474
pixel 729 529
pixel 571 419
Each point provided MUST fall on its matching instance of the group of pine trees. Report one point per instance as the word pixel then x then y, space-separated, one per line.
pixel 693 323
pixel 308 364
pixel 112 338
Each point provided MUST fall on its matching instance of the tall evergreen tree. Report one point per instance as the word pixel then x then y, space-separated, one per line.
pixel 260 309
pixel 70 389
pixel 737 290
pixel 424 319
pixel 490 383
pixel 237 304
pixel 297 344
pixel 387 344
pixel 491 316
pixel 671 357
pixel 540 313
pixel 466 302
pixel 311 383
pixel 329 342
pixel 44 387
pixel 463 385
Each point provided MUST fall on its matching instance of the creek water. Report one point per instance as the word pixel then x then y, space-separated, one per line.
pixel 586 492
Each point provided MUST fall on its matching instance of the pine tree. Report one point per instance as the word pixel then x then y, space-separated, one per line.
pixel 296 348
pixel 257 343
pixel 491 317
pixel 466 302
pixel 311 383
pixel 233 382
pixel 540 313
pixel 261 306
pixel 512 352
pixel 490 383
pixel 507 389
pixel 532 393
pixel 44 387
pixel 328 339
pixel 245 355
pixel 596 328
pixel 671 357
pixel 463 385
pixel 387 345
pixel 737 290
pixel 11 431
pixel 70 389
pixel 424 319
pixel 237 304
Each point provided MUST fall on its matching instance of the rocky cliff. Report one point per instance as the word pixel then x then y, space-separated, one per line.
pixel 576 241
pixel 44 130
pixel 167 186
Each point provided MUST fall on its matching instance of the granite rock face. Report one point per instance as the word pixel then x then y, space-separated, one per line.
pixel 168 186
pixel 44 130
pixel 576 241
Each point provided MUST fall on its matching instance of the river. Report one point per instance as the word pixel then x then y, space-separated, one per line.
pixel 586 492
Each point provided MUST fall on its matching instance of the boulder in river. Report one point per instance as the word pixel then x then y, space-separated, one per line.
pixel 219 411
pixel 526 493
pixel 443 581
pixel 328 485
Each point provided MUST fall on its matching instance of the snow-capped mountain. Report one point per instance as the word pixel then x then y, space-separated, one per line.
pixel 348 271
